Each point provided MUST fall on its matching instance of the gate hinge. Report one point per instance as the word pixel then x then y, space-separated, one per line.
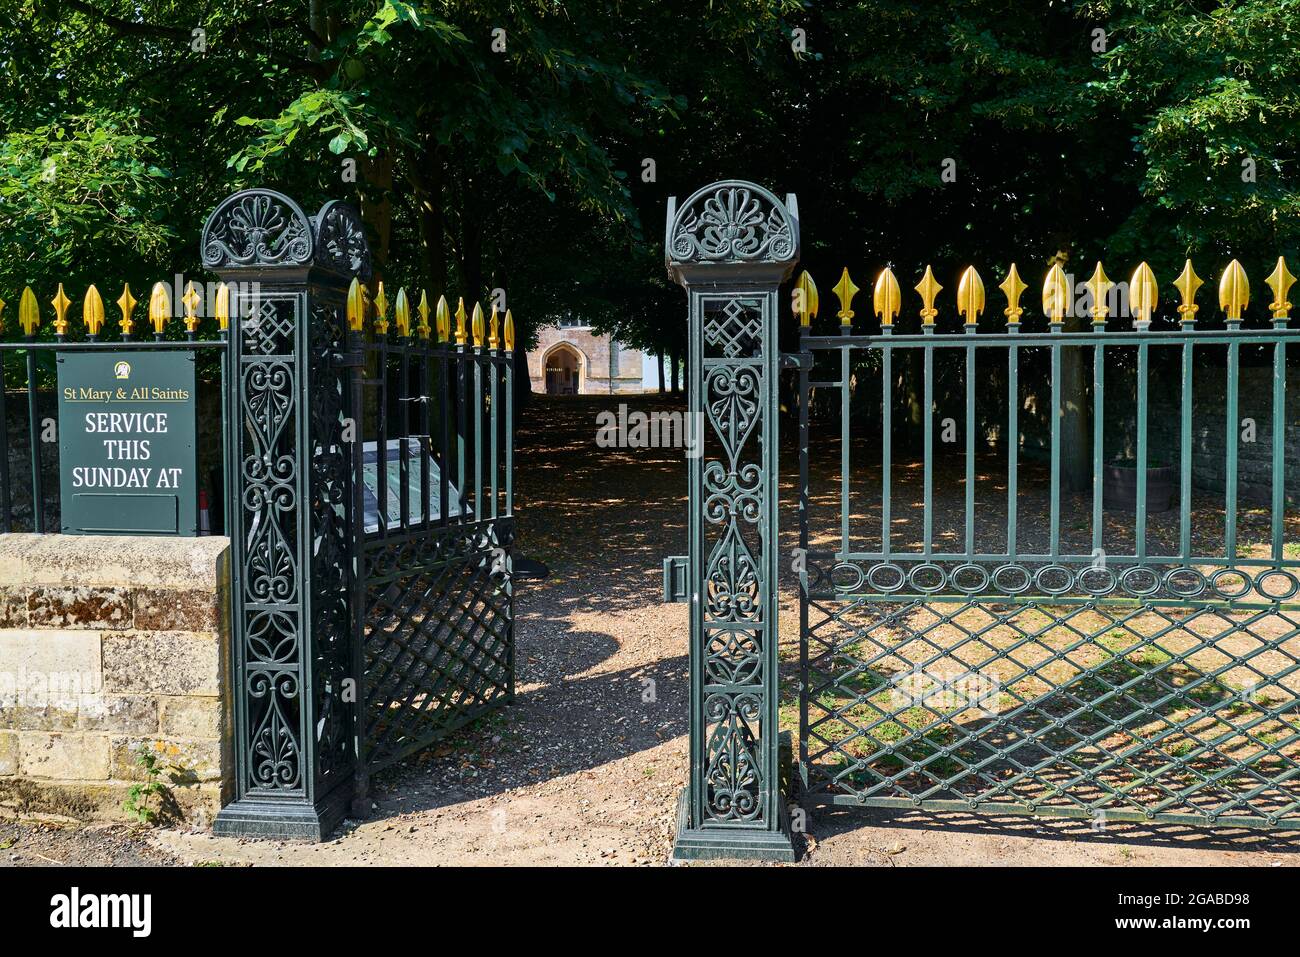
pixel 676 588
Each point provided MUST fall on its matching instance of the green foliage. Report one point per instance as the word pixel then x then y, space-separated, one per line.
pixel 147 800
pixel 1081 130
pixel 85 180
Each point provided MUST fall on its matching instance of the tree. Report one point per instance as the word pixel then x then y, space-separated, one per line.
pixel 497 145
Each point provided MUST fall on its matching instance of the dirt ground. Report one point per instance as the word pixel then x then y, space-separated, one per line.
pixel 585 767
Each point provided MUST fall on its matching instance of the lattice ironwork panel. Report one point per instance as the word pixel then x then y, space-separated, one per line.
pixel 329 489
pixel 1127 710
pixel 439 636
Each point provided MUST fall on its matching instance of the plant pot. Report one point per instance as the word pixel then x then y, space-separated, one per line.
pixel 1119 486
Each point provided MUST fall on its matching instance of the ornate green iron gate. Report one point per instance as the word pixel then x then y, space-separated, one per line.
pixel 1024 658
pixel 1044 669
pixel 435 638
pixel 369 509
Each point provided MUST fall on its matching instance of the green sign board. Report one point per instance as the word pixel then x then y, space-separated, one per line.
pixel 127 463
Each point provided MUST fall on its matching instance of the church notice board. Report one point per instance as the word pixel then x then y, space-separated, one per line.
pixel 127 462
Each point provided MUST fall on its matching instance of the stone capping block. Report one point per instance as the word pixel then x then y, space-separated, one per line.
pixel 105 561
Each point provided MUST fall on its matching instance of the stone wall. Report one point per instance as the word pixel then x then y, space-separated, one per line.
pixel 1164 423
pixel 1209 428
pixel 110 646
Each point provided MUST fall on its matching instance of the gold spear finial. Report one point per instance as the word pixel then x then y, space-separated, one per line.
pixel 805 299
pixel 356 308
pixel 1143 293
pixel 1234 291
pixel 92 311
pixel 460 321
pixel 494 330
pixel 1099 285
pixel 1012 287
pixel 476 323
pixel 29 313
pixel 1280 281
pixel 1187 283
pixel 60 302
pixel 402 313
pixel 1056 294
pixel 126 302
pixel 844 291
pixel 422 310
pixel 191 302
pixel 442 319
pixel 381 310
pixel 221 308
pixel 160 308
pixel 510 332
pixel 886 297
pixel 929 289
pixel 970 295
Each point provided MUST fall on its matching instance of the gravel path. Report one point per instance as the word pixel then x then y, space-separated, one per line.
pixel 53 844
pixel 586 766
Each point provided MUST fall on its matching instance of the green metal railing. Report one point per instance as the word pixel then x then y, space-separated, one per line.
pixel 1019 672
pixel 37 378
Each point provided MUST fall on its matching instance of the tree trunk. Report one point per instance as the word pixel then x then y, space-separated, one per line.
pixel 912 379
pixel 1076 436
pixel 377 207
pixel 663 385
pixel 433 224
pixel 674 362
pixel 471 248
pixel 319 24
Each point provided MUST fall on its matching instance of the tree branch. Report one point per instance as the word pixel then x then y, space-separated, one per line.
pixel 247 27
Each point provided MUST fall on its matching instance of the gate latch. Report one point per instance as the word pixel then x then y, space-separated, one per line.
pixel 348 360
pixel 675 586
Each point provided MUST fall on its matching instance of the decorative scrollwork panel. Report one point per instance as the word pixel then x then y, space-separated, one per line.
pixel 270 576
pixel 734 536
pixel 258 227
pixel 737 222
pixel 735 774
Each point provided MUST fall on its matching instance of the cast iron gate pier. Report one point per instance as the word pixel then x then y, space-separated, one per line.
pixel 732 245
pixel 369 509
pixel 1037 667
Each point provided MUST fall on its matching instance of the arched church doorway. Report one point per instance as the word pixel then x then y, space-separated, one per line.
pixel 562 371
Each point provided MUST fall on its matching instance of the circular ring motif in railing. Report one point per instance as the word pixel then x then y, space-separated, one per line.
pixel 1217 579
pixel 1288 587
pixel 886 577
pixel 1064 579
pixel 969 578
pixel 847 576
pixel 1140 581
pixel 1012 579
pixel 1186 583
pixel 918 575
pixel 1098 580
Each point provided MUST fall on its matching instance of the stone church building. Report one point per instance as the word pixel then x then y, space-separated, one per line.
pixel 573 359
